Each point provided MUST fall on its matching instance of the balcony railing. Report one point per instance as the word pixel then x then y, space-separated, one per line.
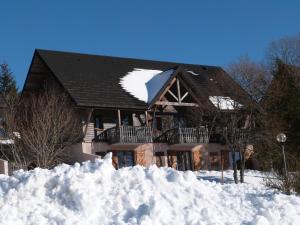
pixel 145 134
pixel 126 134
pixel 184 135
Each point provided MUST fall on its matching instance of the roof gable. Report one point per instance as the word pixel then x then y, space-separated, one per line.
pixel 173 88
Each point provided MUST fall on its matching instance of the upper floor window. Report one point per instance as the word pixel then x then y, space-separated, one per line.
pixel 126 120
pixel 98 122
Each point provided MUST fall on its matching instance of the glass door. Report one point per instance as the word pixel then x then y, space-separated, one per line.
pixel 125 158
pixel 184 161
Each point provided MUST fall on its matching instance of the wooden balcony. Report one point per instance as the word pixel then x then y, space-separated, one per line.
pixel 184 135
pixel 125 134
pixel 145 134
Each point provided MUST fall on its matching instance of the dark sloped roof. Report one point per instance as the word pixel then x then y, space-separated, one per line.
pixel 93 80
pixel 217 83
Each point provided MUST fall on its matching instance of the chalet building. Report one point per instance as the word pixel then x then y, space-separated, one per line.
pixel 139 109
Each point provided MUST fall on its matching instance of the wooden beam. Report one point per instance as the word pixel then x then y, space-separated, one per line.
pixel 189 90
pixel 173 95
pixel 167 113
pixel 167 88
pixel 119 117
pixel 183 97
pixel 164 107
pixel 146 118
pixel 178 91
pixel 176 103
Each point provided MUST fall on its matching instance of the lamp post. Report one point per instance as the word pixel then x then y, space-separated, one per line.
pixel 281 138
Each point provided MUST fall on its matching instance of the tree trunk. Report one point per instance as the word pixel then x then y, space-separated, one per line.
pixel 235 177
pixel 242 160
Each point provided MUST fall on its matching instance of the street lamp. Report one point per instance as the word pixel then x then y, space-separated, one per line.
pixel 281 138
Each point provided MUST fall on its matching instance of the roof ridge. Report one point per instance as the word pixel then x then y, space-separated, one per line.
pixel 126 58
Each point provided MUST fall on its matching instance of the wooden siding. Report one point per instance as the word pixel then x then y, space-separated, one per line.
pixel 90 132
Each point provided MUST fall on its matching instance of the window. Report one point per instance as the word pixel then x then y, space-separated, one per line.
pixel 98 122
pixel 184 161
pixel 214 160
pixel 126 119
pixel 125 158
pixel 172 159
pixel 177 121
pixel 160 159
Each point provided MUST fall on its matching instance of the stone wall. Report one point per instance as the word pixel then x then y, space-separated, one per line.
pixel 3 167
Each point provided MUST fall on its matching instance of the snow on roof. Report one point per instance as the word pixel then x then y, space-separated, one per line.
pixel 144 84
pixel 155 84
pixel 224 103
pixel 192 72
pixel 6 141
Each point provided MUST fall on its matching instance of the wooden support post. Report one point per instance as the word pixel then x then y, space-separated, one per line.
pixel 174 96
pixel 146 118
pixel 119 117
pixel 183 97
pixel 178 91
pixel 88 121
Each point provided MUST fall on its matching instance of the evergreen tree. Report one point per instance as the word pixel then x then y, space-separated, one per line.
pixel 8 85
pixel 283 105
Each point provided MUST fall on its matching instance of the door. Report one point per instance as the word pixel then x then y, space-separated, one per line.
pixel 184 161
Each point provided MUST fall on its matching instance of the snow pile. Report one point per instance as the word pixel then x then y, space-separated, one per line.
pixel 224 103
pixel 96 193
pixel 144 84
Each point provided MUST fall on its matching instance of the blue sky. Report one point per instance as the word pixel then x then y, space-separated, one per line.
pixel 201 32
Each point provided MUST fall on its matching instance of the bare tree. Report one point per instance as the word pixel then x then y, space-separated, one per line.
pixel 230 123
pixel 253 76
pixel 13 151
pixel 286 49
pixel 48 124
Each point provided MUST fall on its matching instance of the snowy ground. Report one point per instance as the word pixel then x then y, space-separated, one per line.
pixel 99 194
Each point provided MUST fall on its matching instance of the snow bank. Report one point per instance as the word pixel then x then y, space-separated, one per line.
pixel 96 193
